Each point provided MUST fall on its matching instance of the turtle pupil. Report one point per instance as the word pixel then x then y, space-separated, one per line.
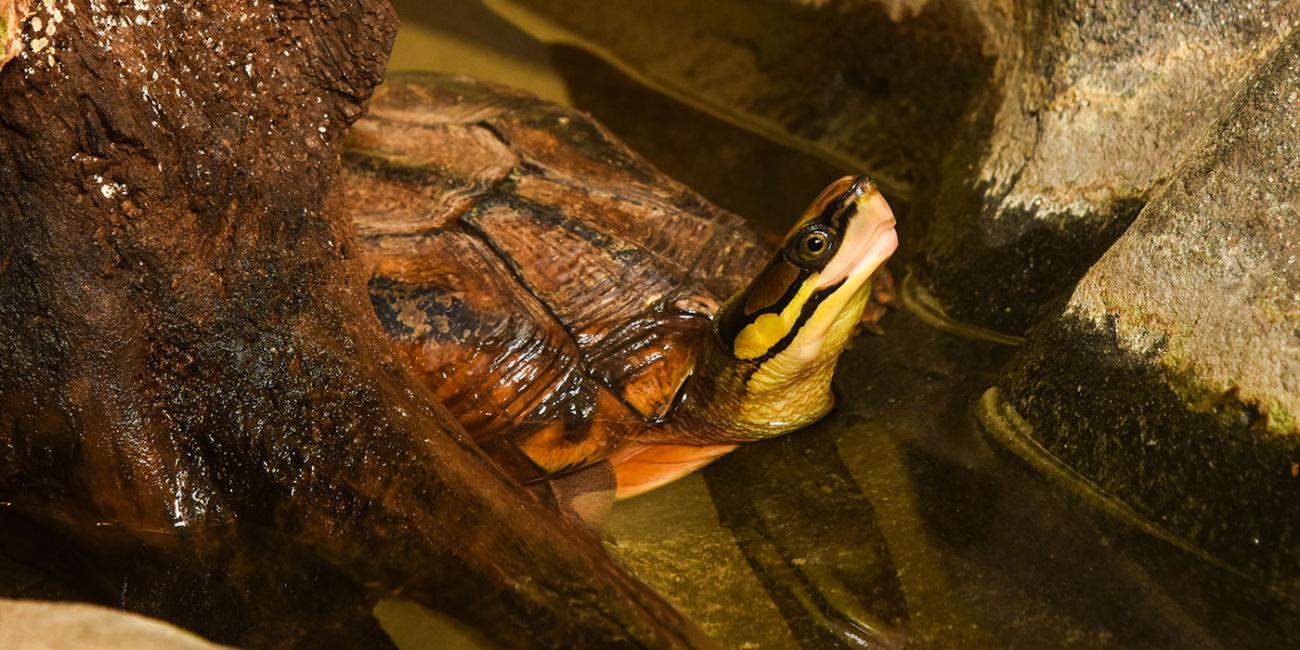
pixel 810 247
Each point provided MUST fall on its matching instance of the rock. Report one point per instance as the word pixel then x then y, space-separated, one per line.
pixel 742 172
pixel 1027 135
pixel 1169 385
pixel 1092 106
pixel 36 625
pixel 845 81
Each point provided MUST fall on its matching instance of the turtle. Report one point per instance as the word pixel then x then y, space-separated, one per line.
pixel 577 311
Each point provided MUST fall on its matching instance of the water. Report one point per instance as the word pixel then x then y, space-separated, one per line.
pixel 894 516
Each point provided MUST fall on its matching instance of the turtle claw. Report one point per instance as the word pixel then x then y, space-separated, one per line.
pixel 882 288
pixel 883 298
pixel 870 321
pixel 844 616
pixel 586 495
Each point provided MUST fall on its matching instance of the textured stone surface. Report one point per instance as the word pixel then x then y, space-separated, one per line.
pixel 1027 134
pixel 35 625
pixel 1095 104
pixel 735 168
pixel 843 79
pixel 1171 380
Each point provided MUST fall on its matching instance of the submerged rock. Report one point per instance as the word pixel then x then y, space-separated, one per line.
pixel 37 625
pixel 847 81
pixel 1028 135
pixel 1169 385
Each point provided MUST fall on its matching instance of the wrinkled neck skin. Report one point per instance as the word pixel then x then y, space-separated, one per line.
pixel 731 400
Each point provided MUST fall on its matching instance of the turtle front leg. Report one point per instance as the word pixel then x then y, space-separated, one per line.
pixel 639 468
pixel 883 298
pixel 590 492
pixel 587 493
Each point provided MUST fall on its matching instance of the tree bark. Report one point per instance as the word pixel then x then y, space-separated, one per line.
pixel 193 387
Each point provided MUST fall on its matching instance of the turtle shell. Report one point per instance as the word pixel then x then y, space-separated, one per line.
pixel 550 286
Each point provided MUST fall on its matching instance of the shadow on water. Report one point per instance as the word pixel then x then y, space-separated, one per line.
pixel 996 548
pixel 894 522
pixel 813 539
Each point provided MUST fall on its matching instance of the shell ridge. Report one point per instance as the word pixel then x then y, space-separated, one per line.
pixel 472 227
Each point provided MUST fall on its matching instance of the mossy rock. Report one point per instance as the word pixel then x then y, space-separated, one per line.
pixel 1169 382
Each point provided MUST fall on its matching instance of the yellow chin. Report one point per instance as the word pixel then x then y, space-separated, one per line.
pixel 827 331
pixel 792 389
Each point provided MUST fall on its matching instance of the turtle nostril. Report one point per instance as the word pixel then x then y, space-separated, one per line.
pixel 862 185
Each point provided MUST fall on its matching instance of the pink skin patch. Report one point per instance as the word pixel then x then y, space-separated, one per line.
pixel 871 234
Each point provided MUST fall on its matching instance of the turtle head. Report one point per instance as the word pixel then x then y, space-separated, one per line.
pixel 777 341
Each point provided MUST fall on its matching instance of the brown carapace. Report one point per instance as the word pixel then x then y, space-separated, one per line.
pixel 553 289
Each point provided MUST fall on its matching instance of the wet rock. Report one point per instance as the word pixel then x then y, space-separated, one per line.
pixel 1168 388
pixel 846 81
pixel 1028 135
pixel 1092 106
pixel 35 625
pixel 733 167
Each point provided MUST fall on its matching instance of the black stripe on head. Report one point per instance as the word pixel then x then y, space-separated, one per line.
pixel 810 307
pixel 775 286
pixel 846 204
pixel 736 315
pixel 815 243
pixel 856 187
pixel 778 277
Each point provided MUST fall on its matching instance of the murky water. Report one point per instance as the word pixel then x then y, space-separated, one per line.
pixel 892 522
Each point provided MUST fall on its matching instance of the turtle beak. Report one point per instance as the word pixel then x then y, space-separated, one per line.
pixel 868 241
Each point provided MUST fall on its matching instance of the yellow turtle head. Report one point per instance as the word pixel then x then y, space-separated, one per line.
pixel 778 340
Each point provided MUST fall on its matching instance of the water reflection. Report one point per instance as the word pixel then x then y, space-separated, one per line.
pixel 895 515
pixel 812 538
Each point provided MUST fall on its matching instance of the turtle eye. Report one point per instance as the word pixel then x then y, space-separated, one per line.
pixel 812 246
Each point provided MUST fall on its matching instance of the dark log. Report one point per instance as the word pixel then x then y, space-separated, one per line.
pixel 194 391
